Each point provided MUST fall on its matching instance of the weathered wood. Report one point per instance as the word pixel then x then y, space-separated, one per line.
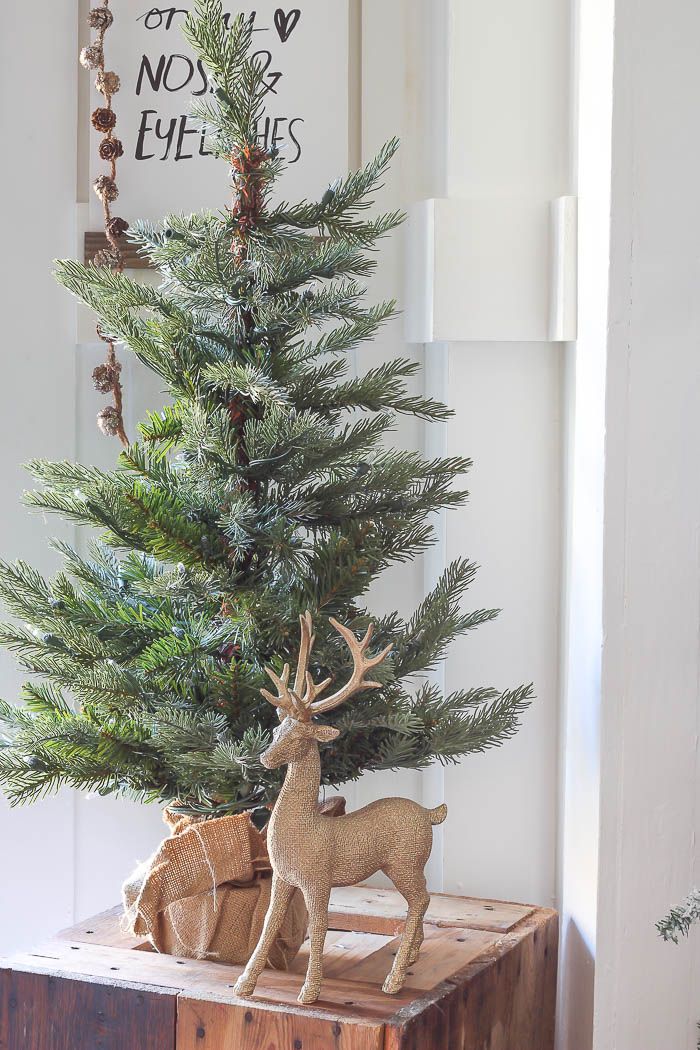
pixel 383 911
pixel 106 929
pixel 367 957
pixel 358 908
pixel 45 1012
pixel 504 1000
pixel 203 1025
pixel 472 987
pixel 359 1000
pixel 96 241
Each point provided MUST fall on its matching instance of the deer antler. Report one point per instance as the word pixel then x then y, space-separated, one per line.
pixel 285 699
pixel 289 700
pixel 361 664
pixel 302 708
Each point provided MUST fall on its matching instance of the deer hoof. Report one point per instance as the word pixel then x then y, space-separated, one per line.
pixel 309 993
pixel 392 984
pixel 244 986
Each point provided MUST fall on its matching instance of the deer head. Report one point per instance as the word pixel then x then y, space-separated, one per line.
pixel 297 705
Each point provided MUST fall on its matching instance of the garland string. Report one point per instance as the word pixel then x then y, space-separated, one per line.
pixel 107 376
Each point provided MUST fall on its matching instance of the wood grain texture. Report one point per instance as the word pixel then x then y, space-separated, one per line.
pixel 470 989
pixel 203 1025
pixel 353 908
pixel 367 957
pixel 46 1012
pixel 382 911
pixel 360 1000
pixel 504 1000
pixel 105 929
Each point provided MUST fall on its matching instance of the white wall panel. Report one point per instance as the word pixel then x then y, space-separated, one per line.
pixel 505 127
pixel 37 400
pixel 500 840
pixel 647 992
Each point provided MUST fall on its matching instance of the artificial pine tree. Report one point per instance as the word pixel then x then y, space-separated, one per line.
pixel 265 488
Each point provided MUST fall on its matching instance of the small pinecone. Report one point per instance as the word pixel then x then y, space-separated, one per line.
pixel 100 18
pixel 105 376
pixel 105 188
pixel 117 226
pixel 91 57
pixel 107 82
pixel 108 421
pixel 111 149
pixel 107 257
pixel 103 119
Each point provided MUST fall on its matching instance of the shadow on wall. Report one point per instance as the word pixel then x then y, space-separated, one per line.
pixel 577 969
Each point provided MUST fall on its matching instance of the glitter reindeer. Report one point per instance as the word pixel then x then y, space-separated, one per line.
pixel 316 852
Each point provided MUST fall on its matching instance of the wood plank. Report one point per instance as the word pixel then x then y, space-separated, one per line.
pixel 97 241
pixel 106 929
pixel 502 1000
pixel 353 908
pixel 368 957
pixel 203 1025
pixel 370 910
pixel 443 954
pixel 470 987
pixel 47 1012
pixel 341 950
pixel 201 978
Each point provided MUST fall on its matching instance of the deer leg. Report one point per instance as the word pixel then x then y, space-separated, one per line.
pixel 317 907
pixel 414 890
pixel 416 944
pixel 280 896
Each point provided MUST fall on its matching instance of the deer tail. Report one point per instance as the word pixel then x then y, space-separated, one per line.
pixel 438 814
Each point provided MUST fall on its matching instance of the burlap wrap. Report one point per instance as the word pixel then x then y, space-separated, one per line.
pixel 205 891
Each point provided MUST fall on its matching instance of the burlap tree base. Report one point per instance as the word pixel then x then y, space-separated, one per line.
pixel 205 891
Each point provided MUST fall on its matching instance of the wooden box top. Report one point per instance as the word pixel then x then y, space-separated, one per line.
pixel 463 937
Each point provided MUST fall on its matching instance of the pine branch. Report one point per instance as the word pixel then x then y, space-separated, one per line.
pixel 680 918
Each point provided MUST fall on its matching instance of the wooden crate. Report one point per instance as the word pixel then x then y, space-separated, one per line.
pixel 485 980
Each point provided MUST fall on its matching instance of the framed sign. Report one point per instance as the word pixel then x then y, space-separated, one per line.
pixel 166 167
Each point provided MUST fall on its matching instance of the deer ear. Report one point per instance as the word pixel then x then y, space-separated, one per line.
pixel 324 734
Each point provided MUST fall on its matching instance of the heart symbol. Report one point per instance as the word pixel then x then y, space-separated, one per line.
pixel 285 24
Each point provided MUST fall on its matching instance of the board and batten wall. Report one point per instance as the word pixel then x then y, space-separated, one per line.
pixel 446 78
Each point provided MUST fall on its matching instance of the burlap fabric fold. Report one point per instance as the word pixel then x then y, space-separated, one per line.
pixel 205 891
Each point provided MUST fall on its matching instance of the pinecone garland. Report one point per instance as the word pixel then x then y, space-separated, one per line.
pixel 106 188
pixel 100 18
pixel 110 149
pixel 117 226
pixel 103 119
pixel 108 421
pixel 107 82
pixel 107 257
pixel 104 377
pixel 91 57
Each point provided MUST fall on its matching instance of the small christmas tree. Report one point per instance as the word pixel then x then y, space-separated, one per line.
pixel 262 490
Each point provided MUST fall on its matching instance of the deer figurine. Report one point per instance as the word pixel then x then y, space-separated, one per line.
pixel 316 852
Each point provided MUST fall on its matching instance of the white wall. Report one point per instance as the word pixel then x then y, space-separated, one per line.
pixel 506 139
pixel 582 627
pixel 648 992
pixel 37 399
